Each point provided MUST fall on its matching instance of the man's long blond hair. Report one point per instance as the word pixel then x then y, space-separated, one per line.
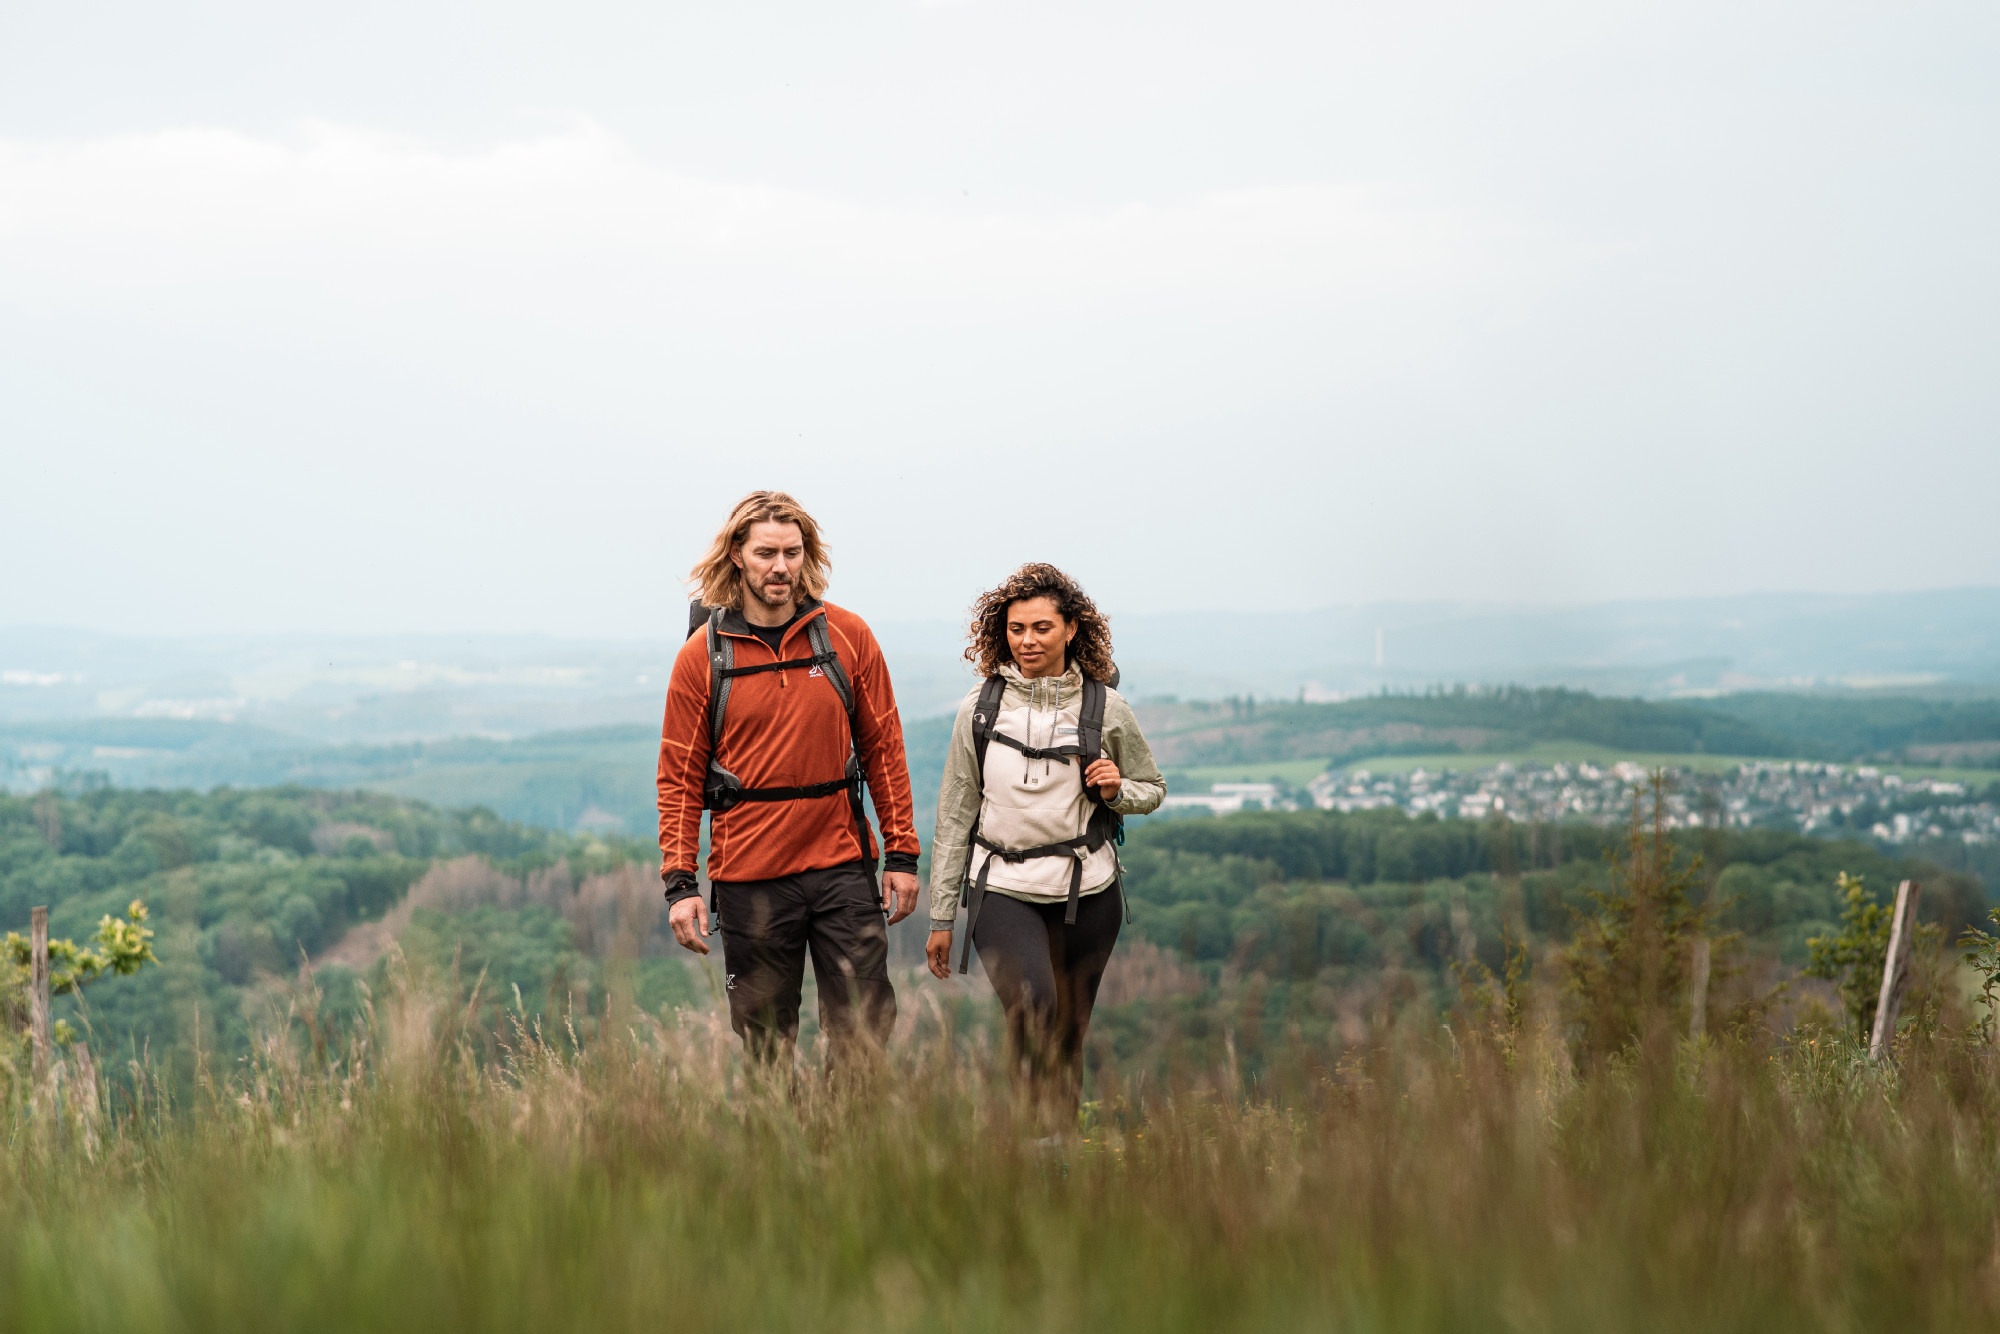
pixel 716 576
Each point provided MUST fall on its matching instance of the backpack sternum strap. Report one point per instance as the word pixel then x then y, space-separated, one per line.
pixel 1065 753
pixel 816 660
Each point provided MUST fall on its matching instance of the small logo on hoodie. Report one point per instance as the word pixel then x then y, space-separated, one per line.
pixel 815 672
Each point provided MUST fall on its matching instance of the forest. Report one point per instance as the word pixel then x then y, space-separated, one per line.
pixel 269 904
pixel 254 894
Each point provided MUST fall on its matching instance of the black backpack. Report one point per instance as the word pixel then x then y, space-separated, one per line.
pixel 722 789
pixel 1106 825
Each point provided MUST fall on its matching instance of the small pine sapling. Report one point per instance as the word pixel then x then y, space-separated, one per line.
pixel 1627 970
pixel 1852 960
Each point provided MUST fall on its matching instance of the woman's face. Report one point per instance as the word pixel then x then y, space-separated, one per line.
pixel 1038 636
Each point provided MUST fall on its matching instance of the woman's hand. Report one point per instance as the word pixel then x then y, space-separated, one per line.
pixel 1103 775
pixel 937 953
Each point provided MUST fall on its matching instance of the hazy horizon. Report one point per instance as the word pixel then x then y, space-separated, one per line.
pixel 671 625
pixel 389 687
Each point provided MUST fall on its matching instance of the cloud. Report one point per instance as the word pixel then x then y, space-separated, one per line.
pixel 313 377
pixel 205 203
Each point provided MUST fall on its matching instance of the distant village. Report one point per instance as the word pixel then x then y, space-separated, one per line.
pixel 1804 797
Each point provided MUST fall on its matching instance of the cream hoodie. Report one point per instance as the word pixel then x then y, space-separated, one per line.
pixel 1028 803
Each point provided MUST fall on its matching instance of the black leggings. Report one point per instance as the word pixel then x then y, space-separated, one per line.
pixel 1046 976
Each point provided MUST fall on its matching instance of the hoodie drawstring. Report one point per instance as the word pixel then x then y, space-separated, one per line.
pixel 1043 693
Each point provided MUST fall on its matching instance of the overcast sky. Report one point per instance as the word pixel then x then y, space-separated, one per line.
pixel 478 316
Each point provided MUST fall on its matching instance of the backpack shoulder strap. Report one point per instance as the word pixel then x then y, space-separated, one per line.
pixel 821 639
pixel 822 647
pixel 1090 749
pixel 721 657
pixel 1090 723
pixel 985 716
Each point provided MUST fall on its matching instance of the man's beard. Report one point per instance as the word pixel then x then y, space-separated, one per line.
pixel 770 598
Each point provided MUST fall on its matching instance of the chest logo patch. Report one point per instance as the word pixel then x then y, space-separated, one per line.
pixel 815 672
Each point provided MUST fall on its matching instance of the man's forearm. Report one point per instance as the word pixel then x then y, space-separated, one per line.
pixel 679 802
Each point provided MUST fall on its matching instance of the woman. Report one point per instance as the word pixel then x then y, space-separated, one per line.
pixel 1045 761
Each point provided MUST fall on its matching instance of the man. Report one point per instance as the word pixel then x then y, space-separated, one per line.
pixel 806 711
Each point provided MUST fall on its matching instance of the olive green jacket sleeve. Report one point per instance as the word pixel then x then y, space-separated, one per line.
pixel 958 807
pixel 959 796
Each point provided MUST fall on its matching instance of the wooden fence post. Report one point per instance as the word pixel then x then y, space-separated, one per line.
pixel 1698 990
pixel 1895 968
pixel 38 990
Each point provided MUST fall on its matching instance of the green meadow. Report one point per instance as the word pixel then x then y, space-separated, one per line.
pixel 1469 1172
pixel 400 1068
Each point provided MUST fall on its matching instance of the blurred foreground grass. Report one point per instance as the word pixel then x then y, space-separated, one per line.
pixel 1456 1178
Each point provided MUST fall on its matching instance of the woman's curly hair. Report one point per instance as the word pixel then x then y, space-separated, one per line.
pixel 1090 651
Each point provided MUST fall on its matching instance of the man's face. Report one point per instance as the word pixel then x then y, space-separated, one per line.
pixel 1038 636
pixel 770 558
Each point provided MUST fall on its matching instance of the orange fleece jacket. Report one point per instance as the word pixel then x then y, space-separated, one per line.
pixel 783 729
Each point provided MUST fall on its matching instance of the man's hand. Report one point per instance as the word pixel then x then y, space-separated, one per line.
pixel 689 919
pixel 1103 775
pixel 937 953
pixel 899 894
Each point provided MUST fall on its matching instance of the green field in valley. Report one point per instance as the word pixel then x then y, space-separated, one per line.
pixel 1298 773
pixel 1195 778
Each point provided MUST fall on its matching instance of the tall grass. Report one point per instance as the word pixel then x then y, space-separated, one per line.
pixel 1464 1177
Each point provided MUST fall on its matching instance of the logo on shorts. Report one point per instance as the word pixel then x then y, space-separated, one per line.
pixel 729 984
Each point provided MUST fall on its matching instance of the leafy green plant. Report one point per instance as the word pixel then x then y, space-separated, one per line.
pixel 1853 958
pixel 120 947
pixel 1982 953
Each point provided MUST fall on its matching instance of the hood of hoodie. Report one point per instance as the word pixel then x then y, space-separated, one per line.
pixel 1041 692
